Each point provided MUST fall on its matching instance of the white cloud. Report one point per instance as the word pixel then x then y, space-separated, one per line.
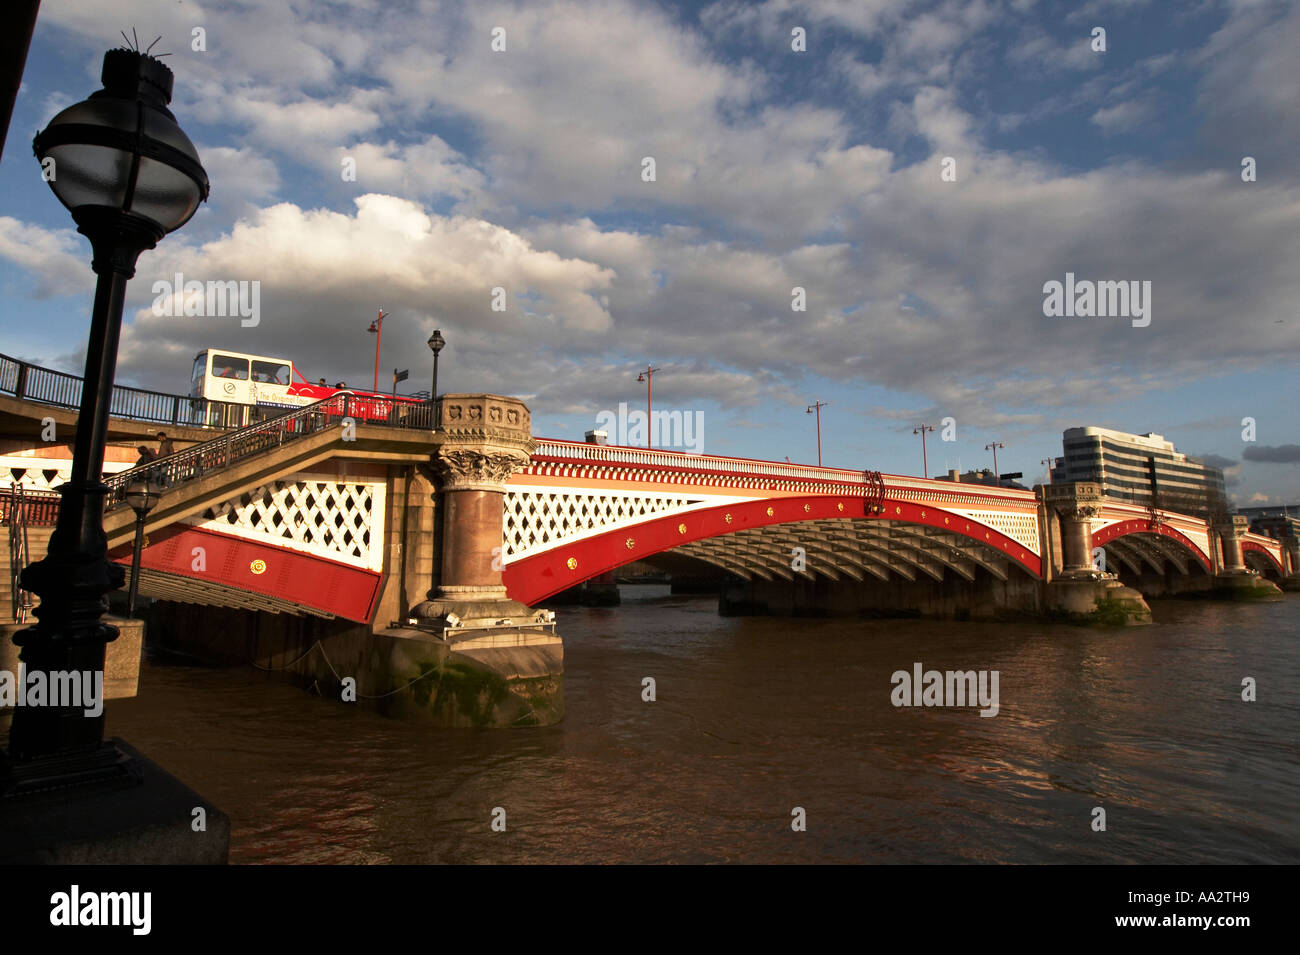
pixel 323 274
pixel 58 259
pixel 427 168
pixel 1122 116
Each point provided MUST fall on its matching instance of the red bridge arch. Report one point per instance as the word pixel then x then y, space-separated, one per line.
pixel 1144 526
pixel 533 579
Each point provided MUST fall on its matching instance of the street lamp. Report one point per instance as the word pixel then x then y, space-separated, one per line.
pixel 435 343
pixel 377 329
pixel 818 406
pixel 142 496
pixel 997 481
pixel 921 429
pixel 648 377
pixel 128 174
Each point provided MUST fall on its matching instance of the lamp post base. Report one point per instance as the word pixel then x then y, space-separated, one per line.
pixel 155 821
pixel 106 766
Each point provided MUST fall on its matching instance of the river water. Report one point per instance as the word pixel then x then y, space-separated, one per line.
pixel 756 716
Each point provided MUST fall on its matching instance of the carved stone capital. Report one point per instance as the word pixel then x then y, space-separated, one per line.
pixel 464 469
pixel 483 440
pixel 1079 512
pixel 1233 528
pixel 1075 501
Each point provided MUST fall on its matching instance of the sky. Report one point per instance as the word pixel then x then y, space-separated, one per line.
pixel 914 173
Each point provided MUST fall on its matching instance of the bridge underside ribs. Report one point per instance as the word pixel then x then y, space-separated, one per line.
pixel 1150 549
pixel 839 548
pixel 1256 560
pixel 1137 554
pixel 160 585
pixel 1122 552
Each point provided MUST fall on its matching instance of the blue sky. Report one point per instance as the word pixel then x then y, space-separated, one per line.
pixel 821 169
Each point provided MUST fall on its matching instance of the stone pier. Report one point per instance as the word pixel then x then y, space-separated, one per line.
pixel 1074 587
pixel 503 658
pixel 1235 581
pixel 1291 564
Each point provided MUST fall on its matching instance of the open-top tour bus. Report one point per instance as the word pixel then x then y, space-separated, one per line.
pixel 239 378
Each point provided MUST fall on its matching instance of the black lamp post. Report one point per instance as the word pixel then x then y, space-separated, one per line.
pixel 435 343
pixel 997 481
pixel 142 496
pixel 921 429
pixel 129 175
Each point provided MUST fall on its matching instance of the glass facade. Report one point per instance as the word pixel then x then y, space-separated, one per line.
pixel 1141 469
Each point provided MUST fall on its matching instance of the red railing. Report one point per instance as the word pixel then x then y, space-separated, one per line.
pixel 221 452
pixel 33 508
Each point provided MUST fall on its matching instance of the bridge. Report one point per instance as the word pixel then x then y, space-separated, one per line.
pixel 450 519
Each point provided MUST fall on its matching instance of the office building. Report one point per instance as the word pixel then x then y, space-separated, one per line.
pixel 1142 469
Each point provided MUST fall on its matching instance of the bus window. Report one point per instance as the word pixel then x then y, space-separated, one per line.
pixel 271 372
pixel 200 371
pixel 227 366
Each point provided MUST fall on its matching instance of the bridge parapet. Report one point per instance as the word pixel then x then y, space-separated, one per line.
pixel 556 458
pixel 578 451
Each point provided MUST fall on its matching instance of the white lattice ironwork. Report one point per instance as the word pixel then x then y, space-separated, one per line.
pixel 341 519
pixel 43 474
pixel 1198 537
pixel 1021 528
pixel 535 521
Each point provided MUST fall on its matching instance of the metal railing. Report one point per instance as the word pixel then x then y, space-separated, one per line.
pixel 685 460
pixel 19 509
pixel 609 454
pixel 32 508
pixel 221 452
pixel 62 390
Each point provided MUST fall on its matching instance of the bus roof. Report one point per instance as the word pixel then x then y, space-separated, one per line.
pixel 239 354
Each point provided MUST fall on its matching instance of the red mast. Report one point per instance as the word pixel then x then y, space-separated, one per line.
pixel 377 327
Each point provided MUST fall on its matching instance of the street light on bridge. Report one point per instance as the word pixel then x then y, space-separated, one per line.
pixel 997 481
pixel 647 377
pixel 435 343
pixel 921 429
pixel 129 175
pixel 377 329
pixel 817 407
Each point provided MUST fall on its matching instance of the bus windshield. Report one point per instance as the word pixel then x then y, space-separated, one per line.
pixel 200 371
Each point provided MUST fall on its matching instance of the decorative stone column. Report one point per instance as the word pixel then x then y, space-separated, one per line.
pixel 1290 563
pixel 484 440
pixel 1076 504
pixel 1080 591
pixel 1230 537
pixel 470 656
